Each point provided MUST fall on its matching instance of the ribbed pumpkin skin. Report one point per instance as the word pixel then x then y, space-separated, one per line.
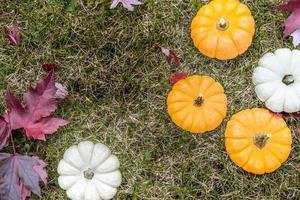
pixel 240 146
pixel 192 118
pixel 223 44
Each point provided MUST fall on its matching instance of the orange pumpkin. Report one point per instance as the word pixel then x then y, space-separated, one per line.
pixel 197 104
pixel 223 29
pixel 257 140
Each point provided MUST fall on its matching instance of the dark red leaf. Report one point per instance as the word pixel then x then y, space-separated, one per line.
pixel 5 133
pixel 49 67
pixel 39 169
pixel 13 34
pixel 44 126
pixel 16 113
pixel 40 101
pixel 292 23
pixel 24 191
pixel 172 58
pixel 18 177
pixel 295 115
pixel 292 5
pixel 35 117
pixel 6 14
pixel 174 78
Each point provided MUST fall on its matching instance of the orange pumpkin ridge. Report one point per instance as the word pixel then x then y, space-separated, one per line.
pixel 197 104
pixel 223 29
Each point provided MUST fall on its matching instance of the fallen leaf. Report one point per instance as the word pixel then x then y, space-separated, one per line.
pixel 49 67
pixel 39 169
pixel 61 92
pixel 296 37
pixel 295 115
pixel 44 126
pixel 6 14
pixel 5 133
pixel 18 177
pixel 128 4
pixel 13 34
pixel 292 5
pixel 35 117
pixel 40 101
pixel 292 23
pixel 174 78
pixel 24 192
pixel 172 58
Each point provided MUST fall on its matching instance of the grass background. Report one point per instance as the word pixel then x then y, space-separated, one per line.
pixel 118 84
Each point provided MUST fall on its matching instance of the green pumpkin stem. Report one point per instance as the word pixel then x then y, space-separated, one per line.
pixel 198 101
pixel 288 79
pixel 88 174
pixel 260 140
pixel 222 24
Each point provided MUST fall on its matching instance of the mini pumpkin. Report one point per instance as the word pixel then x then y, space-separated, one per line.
pixel 257 140
pixel 277 80
pixel 223 29
pixel 197 104
pixel 88 171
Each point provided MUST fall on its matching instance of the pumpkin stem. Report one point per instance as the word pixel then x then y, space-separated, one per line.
pixel 288 79
pixel 88 174
pixel 198 101
pixel 222 24
pixel 260 140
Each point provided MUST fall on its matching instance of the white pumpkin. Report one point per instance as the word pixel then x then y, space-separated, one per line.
pixel 277 80
pixel 88 171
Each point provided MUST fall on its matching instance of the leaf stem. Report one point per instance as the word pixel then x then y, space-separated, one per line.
pixel 12 143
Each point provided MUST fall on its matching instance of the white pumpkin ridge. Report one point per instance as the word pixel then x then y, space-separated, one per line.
pixel 94 160
pixel 277 80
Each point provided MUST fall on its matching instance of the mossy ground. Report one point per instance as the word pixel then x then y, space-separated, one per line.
pixel 118 83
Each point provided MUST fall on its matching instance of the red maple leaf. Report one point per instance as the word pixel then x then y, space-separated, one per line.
pixel 292 23
pixel 13 34
pixel 6 14
pixel 36 116
pixel 292 5
pixel 174 78
pixel 172 58
pixel 5 133
pixel 18 177
pixel 295 115
pixel 48 67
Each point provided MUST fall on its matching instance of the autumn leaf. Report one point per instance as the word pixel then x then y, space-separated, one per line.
pixel 296 37
pixel 18 176
pixel 40 101
pixel 49 67
pixel 5 133
pixel 13 34
pixel 36 116
pixel 39 169
pixel 61 92
pixel 128 4
pixel 295 115
pixel 292 5
pixel 171 56
pixel 174 78
pixel 292 23
pixel 6 14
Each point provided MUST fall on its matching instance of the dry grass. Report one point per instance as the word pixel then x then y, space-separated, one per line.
pixel 118 84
